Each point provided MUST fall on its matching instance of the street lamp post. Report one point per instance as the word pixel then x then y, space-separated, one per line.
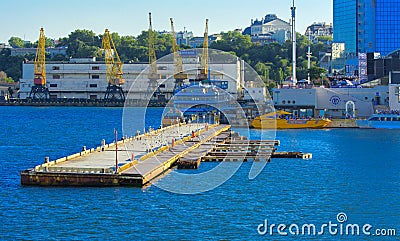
pixel 197 121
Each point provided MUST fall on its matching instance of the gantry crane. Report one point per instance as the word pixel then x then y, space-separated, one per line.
pixel 153 76
pixel 113 70
pixel 179 76
pixel 39 89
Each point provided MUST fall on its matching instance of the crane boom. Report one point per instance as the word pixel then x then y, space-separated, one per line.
pixel 153 73
pixel 204 58
pixel 113 62
pixel 178 65
pixel 40 61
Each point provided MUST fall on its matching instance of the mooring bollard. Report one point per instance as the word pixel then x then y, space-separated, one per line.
pixel 103 144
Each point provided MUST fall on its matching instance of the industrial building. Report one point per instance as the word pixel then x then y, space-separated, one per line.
pixel 86 78
pixel 53 51
pixel 394 90
pixel 332 102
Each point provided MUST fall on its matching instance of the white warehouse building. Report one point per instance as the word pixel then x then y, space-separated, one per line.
pixel 86 78
pixel 332 102
pixel 394 90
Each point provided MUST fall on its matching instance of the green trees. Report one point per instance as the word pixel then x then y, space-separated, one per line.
pixel 162 44
pixel 4 78
pixel 233 41
pixel 273 61
pixel 83 44
pixel 16 42
pixel 11 65
pixel 127 49
pixel 86 44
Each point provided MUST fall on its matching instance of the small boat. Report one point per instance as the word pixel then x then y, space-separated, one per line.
pixel 390 120
pixel 284 120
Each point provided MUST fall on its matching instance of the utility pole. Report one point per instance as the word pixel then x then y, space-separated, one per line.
pixel 309 56
pixel 294 78
pixel 116 150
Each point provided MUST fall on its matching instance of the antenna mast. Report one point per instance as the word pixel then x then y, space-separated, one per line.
pixel 294 78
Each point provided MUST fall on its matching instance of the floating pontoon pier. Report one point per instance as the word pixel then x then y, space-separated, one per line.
pixel 138 160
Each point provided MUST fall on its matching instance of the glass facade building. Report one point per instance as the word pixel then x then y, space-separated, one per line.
pixel 367 25
pixel 344 24
pixel 387 26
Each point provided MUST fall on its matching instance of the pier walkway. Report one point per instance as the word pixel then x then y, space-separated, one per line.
pixel 157 164
pixel 103 159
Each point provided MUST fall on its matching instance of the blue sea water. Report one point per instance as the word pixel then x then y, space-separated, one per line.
pixel 352 171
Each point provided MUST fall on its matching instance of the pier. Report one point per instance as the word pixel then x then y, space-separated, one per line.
pixel 136 161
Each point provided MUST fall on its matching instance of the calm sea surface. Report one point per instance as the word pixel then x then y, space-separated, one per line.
pixel 352 171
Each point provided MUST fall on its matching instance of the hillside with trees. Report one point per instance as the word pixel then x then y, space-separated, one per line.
pixel 271 61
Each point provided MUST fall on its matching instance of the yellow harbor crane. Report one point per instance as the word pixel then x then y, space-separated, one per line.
pixel 179 76
pixel 153 71
pixel 204 59
pixel 154 89
pixel 39 89
pixel 113 70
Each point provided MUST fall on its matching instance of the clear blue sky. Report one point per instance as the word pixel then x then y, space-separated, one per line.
pixel 24 18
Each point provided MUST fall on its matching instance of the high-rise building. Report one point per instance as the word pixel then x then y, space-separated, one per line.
pixel 387 22
pixel 367 25
pixel 344 23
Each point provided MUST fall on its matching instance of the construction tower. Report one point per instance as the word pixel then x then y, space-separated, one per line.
pixel 203 75
pixel 39 89
pixel 179 76
pixel 114 73
pixel 153 76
